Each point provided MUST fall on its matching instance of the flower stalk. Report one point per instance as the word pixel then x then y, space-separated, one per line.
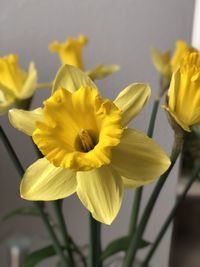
pixel 139 191
pixel 38 204
pixel 61 221
pixel 133 246
pixel 192 179
pixel 94 259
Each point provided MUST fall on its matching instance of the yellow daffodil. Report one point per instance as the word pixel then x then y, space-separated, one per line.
pixel 183 101
pixel 70 52
pixel 87 146
pixel 165 64
pixel 15 84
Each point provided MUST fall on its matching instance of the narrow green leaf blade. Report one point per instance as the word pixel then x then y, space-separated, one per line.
pixel 120 244
pixel 144 243
pixel 39 255
pixel 23 211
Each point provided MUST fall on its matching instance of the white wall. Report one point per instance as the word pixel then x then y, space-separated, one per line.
pixel 120 32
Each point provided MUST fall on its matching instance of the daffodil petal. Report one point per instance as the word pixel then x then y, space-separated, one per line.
pixel 6 92
pixel 161 62
pixel 131 100
pixel 177 120
pixel 71 78
pixel 30 83
pixel 174 90
pixel 43 181
pixel 102 71
pixel 4 107
pixel 5 102
pixel 24 121
pixel 138 157
pixel 129 183
pixel 101 191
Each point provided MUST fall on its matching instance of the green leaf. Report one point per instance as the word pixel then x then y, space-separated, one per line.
pixel 39 255
pixel 120 244
pixel 24 211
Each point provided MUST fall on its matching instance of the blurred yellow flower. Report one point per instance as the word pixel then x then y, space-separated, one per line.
pixel 87 146
pixel 70 52
pixel 165 64
pixel 15 83
pixel 183 101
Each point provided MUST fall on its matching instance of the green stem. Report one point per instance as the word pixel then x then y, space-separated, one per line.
pixel 43 85
pixel 78 251
pixel 24 103
pixel 39 205
pixel 153 117
pixel 61 221
pixel 95 244
pixel 139 191
pixel 135 210
pixel 11 152
pixel 135 239
pixel 171 215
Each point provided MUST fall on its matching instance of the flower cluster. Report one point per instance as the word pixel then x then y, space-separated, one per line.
pixel 98 156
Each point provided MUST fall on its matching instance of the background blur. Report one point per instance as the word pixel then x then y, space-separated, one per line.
pixel 120 32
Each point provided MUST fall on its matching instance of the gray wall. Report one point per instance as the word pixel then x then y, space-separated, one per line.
pixel 120 32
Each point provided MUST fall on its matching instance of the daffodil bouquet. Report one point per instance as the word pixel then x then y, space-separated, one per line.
pixel 85 146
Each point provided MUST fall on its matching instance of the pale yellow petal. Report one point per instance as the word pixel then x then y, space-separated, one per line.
pixel 6 92
pixel 4 107
pixel 161 62
pixel 24 121
pixel 102 71
pixel 30 83
pixel 5 102
pixel 138 157
pixel 130 183
pixel 101 192
pixel 181 48
pixel 176 118
pixel 174 90
pixel 71 78
pixel 43 181
pixel 131 100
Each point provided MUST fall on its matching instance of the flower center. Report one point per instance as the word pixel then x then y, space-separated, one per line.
pixel 86 140
pixel 79 129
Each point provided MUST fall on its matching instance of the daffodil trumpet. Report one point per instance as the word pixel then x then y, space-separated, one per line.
pixel 96 157
pixel 71 52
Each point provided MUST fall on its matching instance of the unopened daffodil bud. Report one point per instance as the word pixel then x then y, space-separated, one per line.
pixel 183 100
